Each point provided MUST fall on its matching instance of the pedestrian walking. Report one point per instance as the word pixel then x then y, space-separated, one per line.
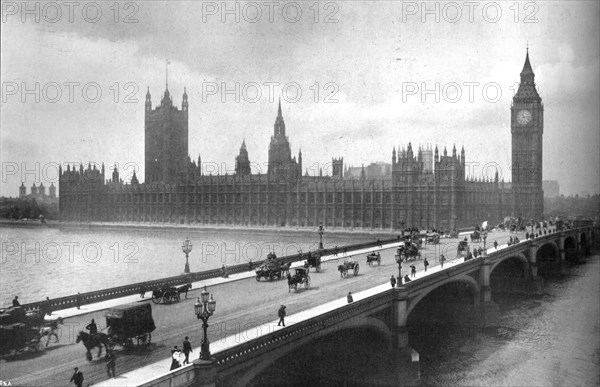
pixel 16 301
pixel 175 357
pixel 187 348
pixel 78 300
pixel 495 245
pixel 425 263
pixel 77 378
pixel 406 279
pixel 281 314
pixel 442 260
pixel 393 281
pixel 142 291
pixel 350 299
pixel 111 362
pixel 413 270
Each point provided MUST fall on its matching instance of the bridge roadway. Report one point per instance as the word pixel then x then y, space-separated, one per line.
pixel 241 305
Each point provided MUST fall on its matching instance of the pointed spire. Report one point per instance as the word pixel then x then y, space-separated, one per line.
pixel 445 152
pixel 279 109
pixel 454 150
pixel 527 75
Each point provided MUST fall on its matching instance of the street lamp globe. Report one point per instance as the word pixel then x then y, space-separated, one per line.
pixel 212 305
pixel 197 307
pixel 204 295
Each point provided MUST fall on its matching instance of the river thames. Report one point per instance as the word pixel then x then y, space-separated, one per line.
pixel 553 340
pixel 47 262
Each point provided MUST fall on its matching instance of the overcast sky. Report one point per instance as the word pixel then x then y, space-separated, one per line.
pixel 369 61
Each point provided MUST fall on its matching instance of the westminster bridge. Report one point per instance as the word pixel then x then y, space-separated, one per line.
pixel 460 293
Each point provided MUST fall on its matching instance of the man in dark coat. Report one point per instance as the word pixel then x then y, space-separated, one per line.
pixel 92 327
pixel 77 378
pixel 16 301
pixel 350 299
pixel 46 308
pixel 425 263
pixel 187 348
pixel 281 314
pixel 393 281
pixel 111 362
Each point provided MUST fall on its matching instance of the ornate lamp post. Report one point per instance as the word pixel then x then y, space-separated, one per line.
pixel 186 248
pixel 321 229
pixel 399 260
pixel 204 309
pixel 484 238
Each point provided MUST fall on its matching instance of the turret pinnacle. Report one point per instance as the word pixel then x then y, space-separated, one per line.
pixel 279 109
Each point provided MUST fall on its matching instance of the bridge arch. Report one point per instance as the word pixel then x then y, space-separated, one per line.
pixel 570 246
pixel 373 324
pixel 547 258
pixel 518 256
pixel 473 286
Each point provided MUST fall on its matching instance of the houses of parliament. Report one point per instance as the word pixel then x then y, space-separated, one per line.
pixel 423 190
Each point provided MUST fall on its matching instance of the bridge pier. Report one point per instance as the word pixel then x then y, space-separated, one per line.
pixel 489 311
pixel 406 358
pixel 536 282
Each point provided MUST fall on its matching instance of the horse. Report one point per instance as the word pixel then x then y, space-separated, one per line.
pixel 50 329
pixel 184 289
pixel 343 270
pixel 92 341
pixel 285 269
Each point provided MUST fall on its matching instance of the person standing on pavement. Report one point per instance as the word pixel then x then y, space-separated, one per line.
pixel 187 348
pixel 393 281
pixel 16 301
pixel 442 260
pixel 495 245
pixel 281 314
pixel 111 362
pixel 78 300
pixel 425 263
pixel 175 357
pixel 350 299
pixel 413 270
pixel 77 378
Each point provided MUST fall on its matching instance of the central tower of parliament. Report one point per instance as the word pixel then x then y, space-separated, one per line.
pixel 417 194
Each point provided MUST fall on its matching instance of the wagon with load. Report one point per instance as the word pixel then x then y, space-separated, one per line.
pixel 19 331
pixel 130 322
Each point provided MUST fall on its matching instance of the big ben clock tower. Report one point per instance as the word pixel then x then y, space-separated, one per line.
pixel 527 128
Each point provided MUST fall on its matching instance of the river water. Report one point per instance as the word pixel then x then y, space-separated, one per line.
pixel 553 340
pixel 46 262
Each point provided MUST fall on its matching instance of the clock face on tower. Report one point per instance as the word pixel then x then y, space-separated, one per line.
pixel 523 117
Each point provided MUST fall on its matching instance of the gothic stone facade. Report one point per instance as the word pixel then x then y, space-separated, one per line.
pixel 416 194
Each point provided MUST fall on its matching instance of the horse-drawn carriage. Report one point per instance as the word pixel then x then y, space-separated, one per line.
pixel 20 331
pixel 313 260
pixel 169 294
pixel 301 277
pixel 374 257
pixel 272 270
pixel 433 238
pixel 410 250
pixel 463 248
pixel 476 236
pixel 128 322
pixel 347 266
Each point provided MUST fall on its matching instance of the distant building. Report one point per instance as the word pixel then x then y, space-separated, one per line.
pixel 377 170
pixel 423 188
pixel 39 193
pixel 551 188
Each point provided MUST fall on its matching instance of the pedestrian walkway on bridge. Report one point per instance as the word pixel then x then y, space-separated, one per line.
pixel 156 370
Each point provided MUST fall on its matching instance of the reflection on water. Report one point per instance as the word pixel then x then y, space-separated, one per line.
pixel 40 262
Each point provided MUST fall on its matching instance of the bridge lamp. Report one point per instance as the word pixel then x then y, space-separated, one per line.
pixel 204 308
pixel 321 229
pixel 399 262
pixel 186 248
